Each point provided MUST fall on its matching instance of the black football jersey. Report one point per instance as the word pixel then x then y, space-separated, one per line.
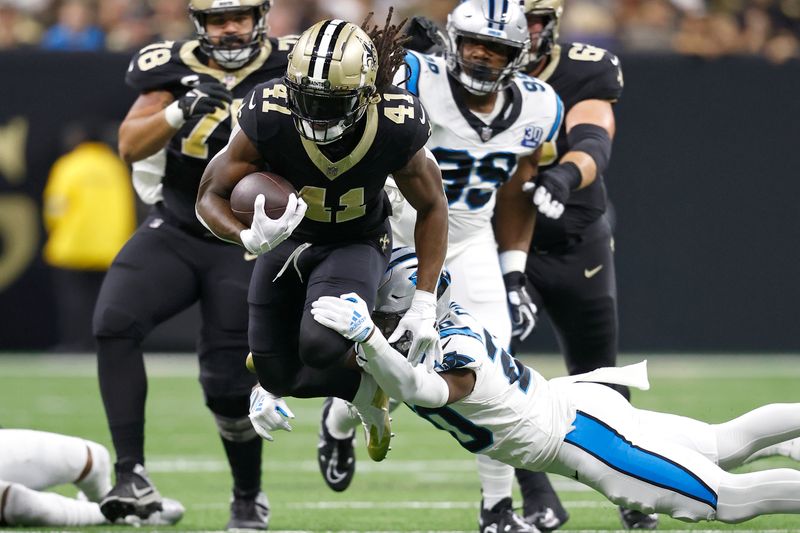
pixel 345 197
pixel 177 66
pixel 577 72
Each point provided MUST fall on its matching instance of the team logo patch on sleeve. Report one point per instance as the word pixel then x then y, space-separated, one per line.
pixel 533 136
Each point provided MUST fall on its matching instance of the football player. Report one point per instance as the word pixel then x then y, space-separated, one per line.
pixel 493 404
pixel 489 123
pixel 570 267
pixel 189 94
pixel 32 461
pixel 335 127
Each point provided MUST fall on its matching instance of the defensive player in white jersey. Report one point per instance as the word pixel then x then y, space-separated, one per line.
pixel 488 123
pixel 31 461
pixel 493 404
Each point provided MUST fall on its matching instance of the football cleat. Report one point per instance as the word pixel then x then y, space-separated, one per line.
pixel 170 514
pixel 336 457
pixel 546 519
pixel 134 494
pixel 502 519
pixel 372 404
pixel 633 519
pixel 250 514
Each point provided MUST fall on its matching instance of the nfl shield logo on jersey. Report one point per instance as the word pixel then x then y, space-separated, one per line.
pixel 533 136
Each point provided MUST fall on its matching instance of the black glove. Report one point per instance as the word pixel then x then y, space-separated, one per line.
pixel 424 36
pixel 205 98
pixel 552 188
pixel 523 310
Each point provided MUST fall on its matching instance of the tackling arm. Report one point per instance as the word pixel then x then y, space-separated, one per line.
pixel 590 128
pixel 145 129
pixel 420 181
pixel 238 159
pixel 412 384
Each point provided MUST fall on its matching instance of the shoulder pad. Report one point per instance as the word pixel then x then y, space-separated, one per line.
pixel 259 106
pixel 157 66
pixel 596 71
pixel 416 66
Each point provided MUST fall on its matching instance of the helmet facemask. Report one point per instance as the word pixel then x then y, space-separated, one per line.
pixel 478 77
pixel 546 38
pixel 323 115
pixel 232 52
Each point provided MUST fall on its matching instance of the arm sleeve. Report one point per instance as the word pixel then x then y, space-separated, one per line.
pixel 393 372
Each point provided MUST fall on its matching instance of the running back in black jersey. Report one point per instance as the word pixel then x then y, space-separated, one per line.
pixel 177 66
pixel 342 182
pixel 577 72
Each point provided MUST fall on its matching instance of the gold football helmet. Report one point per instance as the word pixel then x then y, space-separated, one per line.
pixel 235 51
pixel 330 79
pixel 550 11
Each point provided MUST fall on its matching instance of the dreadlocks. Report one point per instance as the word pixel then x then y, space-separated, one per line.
pixel 388 42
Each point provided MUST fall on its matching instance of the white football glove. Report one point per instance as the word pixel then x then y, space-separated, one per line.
pixel 265 233
pixel 545 201
pixel 268 413
pixel 420 322
pixel 347 315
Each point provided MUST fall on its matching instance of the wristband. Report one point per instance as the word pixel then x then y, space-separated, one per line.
pixel 174 115
pixel 513 261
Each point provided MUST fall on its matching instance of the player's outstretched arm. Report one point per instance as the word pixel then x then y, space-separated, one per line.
pixel 145 130
pixel 420 181
pixel 238 159
pixel 349 316
pixel 590 128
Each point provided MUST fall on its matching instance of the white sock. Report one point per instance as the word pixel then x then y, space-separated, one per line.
pixel 38 460
pixel 496 480
pixel 97 482
pixel 744 496
pixel 341 420
pixel 771 424
pixel 26 507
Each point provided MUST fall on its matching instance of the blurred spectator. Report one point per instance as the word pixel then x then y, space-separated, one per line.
pixel 16 27
pixel 705 28
pixel 170 20
pixel 75 29
pixel 89 214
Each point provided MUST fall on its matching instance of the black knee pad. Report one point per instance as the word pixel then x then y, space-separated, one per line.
pixel 116 322
pixel 229 406
pixel 278 375
pixel 323 351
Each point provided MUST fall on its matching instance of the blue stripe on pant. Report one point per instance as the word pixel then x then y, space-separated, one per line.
pixel 604 443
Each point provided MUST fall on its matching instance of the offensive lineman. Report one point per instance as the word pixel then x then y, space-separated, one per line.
pixel 488 123
pixel 491 403
pixel 188 90
pixel 335 127
pixel 570 267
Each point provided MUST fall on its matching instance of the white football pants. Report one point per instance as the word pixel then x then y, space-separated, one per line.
pixel 664 463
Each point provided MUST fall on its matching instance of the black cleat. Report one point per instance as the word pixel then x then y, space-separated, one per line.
pixel 633 519
pixel 502 519
pixel 546 519
pixel 134 494
pixel 250 514
pixel 336 457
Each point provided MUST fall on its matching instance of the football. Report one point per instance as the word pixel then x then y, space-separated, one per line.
pixel 276 191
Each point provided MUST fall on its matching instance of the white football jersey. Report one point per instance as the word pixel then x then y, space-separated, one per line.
pixel 513 414
pixel 476 158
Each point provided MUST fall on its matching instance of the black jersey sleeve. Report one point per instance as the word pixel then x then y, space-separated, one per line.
pixel 406 123
pixel 157 66
pixel 260 110
pixel 600 72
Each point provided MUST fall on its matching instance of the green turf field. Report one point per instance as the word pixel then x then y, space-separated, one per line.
pixel 427 482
